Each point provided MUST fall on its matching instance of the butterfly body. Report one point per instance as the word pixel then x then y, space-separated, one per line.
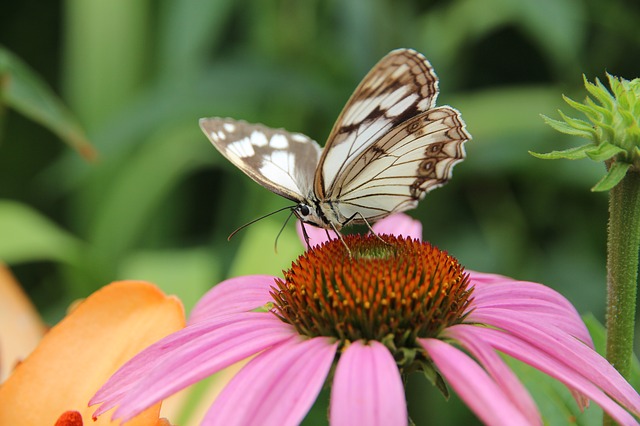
pixel 388 148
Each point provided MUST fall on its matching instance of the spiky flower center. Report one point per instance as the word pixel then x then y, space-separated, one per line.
pixel 392 291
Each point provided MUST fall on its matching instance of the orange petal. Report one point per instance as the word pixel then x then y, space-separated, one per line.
pixel 20 326
pixel 79 354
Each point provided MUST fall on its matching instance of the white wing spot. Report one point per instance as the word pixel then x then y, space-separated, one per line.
pixel 394 97
pixel 214 136
pixel 399 72
pixel 279 169
pixel 279 141
pixel 401 106
pixel 229 127
pixel 241 148
pixel 221 135
pixel 299 137
pixel 258 138
pixel 426 103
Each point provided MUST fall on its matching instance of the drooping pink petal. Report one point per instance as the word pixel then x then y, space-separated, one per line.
pixel 316 235
pixel 473 385
pixel 399 224
pixel 277 387
pixel 520 296
pixel 235 295
pixel 568 350
pixel 186 357
pixel 499 371
pixel 562 369
pixel 367 388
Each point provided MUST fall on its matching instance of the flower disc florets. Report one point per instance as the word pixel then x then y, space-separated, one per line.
pixel 391 291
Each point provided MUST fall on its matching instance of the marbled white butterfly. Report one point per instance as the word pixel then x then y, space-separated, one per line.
pixel 388 148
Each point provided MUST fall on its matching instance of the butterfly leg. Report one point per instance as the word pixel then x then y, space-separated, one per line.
pixel 366 222
pixel 305 235
pixel 339 235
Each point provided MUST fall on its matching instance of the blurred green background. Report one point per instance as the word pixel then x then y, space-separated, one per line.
pixel 157 202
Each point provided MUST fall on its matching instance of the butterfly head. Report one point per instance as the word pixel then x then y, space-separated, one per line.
pixel 307 213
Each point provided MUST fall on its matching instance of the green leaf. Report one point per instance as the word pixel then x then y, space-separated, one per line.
pixel 576 153
pixel 616 173
pixel 554 400
pixel 25 92
pixel 187 273
pixel 571 126
pixel 605 151
pixel 28 236
pixel 598 333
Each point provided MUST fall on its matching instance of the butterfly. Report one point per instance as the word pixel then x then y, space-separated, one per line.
pixel 389 147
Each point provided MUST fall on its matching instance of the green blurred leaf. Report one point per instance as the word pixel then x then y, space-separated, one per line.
pixel 28 236
pixel 554 400
pixel 126 207
pixel 256 254
pixel 187 273
pixel 106 55
pixel 27 93
pixel 599 335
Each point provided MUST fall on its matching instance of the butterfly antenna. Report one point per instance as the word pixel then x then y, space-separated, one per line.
pixel 275 244
pixel 257 219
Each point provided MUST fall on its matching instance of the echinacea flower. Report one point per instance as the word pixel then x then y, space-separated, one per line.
pixel 366 318
pixel 53 384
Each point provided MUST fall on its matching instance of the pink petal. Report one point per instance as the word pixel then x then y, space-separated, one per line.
pixel 543 302
pixel 186 357
pixel 316 235
pixel 399 224
pixel 278 387
pixel 567 350
pixel 241 294
pixel 555 366
pixel 499 371
pixel 367 388
pixel 473 385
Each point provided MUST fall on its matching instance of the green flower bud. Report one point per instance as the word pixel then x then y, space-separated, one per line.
pixel 613 129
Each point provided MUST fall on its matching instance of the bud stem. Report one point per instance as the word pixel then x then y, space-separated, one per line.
pixel 622 272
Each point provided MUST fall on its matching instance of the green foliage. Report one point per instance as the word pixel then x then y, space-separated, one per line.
pixel 159 202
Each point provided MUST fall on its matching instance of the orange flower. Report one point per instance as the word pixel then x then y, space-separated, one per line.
pixel 80 353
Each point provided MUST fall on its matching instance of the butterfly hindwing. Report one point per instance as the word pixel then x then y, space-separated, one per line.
pixel 401 167
pixel 281 161
pixel 398 87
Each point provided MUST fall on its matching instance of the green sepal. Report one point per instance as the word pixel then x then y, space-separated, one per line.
pixel 614 175
pixel 576 153
pixel 571 126
pixel 435 378
pixel 604 151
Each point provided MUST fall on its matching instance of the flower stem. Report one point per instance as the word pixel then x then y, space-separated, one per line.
pixel 622 270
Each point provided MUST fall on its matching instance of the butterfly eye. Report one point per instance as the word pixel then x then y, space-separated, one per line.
pixel 304 210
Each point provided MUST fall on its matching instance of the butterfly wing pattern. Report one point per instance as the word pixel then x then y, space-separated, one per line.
pixel 388 148
pixel 281 161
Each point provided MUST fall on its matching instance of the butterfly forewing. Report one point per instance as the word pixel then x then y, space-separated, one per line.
pixel 281 161
pixel 400 168
pixel 398 87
